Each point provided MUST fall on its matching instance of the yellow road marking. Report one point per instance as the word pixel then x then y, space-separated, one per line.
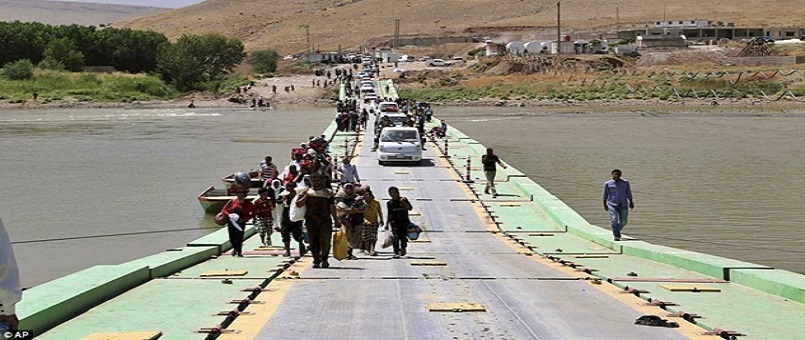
pixel 224 273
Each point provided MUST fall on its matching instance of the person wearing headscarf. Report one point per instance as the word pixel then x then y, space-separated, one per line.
pixel 349 208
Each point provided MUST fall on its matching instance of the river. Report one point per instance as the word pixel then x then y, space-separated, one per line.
pixel 724 184
pixel 727 182
pixel 68 173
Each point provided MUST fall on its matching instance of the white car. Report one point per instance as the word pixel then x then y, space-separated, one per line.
pixel 389 107
pixel 424 58
pixel 399 144
pixel 397 118
pixel 438 62
pixel 369 97
pixel 367 87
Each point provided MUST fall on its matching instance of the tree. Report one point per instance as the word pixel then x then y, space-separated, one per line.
pixel 130 50
pixel 196 59
pixel 19 70
pixel 264 61
pixel 63 51
pixel 178 67
pixel 23 40
pixel 219 55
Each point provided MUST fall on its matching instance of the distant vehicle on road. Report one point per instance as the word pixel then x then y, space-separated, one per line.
pixel 389 107
pixel 369 97
pixel 438 62
pixel 767 39
pixel 406 58
pixel 458 57
pixel 424 58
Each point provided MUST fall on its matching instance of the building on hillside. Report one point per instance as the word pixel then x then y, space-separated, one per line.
pixel 696 30
pixel 322 57
pixel 386 55
pixel 652 41
pixel 494 49
pixel 690 23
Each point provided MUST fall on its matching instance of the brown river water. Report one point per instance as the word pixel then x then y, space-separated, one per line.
pixel 725 184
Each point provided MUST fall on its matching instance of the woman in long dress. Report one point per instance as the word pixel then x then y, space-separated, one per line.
pixel 349 209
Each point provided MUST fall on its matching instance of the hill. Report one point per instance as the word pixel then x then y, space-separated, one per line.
pixel 350 23
pixel 65 13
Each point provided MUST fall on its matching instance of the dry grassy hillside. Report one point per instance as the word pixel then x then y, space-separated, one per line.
pixel 349 23
pixel 65 13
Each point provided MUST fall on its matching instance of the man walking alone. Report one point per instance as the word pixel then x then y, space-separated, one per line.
pixel 617 192
pixel 490 161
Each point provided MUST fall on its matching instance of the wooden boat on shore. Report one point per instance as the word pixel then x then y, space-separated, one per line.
pixel 256 180
pixel 212 200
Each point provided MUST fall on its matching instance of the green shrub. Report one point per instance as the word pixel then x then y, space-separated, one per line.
pixel 19 70
pixel 51 64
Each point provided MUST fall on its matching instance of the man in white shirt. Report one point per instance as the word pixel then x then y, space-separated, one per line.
pixel 348 172
pixel 10 292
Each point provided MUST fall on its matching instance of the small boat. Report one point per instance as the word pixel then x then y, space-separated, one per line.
pixel 212 200
pixel 256 179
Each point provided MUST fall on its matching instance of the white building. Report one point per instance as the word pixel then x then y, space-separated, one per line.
pixel 690 23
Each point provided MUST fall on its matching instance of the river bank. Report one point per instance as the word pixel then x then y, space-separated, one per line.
pixel 303 94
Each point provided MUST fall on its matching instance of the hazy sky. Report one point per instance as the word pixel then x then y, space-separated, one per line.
pixel 152 3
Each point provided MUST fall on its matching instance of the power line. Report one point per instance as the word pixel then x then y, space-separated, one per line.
pixel 104 235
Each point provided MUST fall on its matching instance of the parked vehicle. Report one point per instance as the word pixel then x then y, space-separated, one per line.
pixel 438 63
pixel 406 58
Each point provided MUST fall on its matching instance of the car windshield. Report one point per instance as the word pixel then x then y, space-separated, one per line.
pixel 398 120
pixel 399 136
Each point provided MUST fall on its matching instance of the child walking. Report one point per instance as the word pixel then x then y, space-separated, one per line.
pixel 265 218
pixel 373 219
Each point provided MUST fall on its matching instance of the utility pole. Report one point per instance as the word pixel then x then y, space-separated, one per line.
pixel 558 28
pixel 617 18
pixel 396 34
pixel 664 7
pixel 307 36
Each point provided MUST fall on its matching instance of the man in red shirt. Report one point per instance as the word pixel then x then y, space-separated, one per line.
pixel 239 211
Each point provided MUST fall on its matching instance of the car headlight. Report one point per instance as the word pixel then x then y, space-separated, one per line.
pixel 382 149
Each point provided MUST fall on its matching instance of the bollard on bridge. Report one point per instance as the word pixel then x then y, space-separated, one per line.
pixel 468 178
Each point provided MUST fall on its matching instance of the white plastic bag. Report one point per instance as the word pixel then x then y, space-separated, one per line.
pixel 388 239
pixel 296 214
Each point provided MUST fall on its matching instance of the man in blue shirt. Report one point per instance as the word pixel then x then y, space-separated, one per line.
pixel 616 194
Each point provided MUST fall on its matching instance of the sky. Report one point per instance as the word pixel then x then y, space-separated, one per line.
pixel 152 3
